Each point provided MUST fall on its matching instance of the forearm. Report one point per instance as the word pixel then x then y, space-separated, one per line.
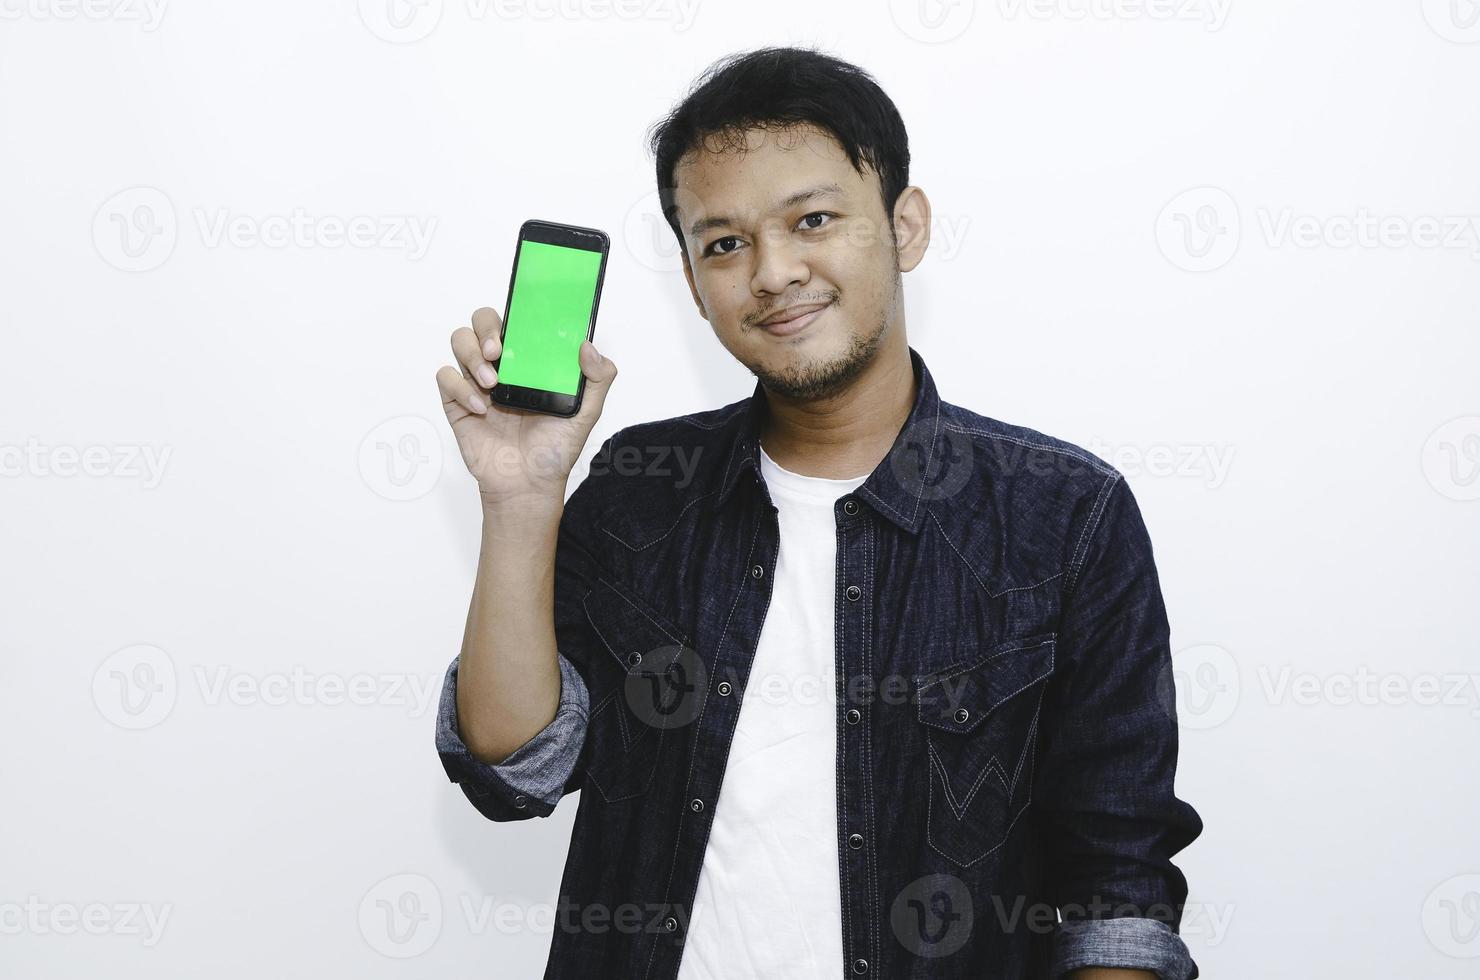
pixel 1109 973
pixel 508 685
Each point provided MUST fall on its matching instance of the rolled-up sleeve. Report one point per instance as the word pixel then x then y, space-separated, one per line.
pixel 1125 942
pixel 533 779
pixel 1105 790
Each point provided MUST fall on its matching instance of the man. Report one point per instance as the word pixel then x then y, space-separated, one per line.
pixel 854 681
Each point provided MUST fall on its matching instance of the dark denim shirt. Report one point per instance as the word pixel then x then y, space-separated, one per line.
pixel 1006 725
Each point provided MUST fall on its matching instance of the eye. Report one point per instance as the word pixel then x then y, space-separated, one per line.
pixel 711 249
pixel 816 214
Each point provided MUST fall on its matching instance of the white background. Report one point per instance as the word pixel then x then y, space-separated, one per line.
pixel 1149 240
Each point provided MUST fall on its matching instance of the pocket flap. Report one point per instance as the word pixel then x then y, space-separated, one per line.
pixel 960 697
pixel 628 626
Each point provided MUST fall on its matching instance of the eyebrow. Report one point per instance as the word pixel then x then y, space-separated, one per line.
pixel 722 221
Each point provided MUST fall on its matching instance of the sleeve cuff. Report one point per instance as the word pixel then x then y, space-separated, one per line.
pixel 1128 942
pixel 532 779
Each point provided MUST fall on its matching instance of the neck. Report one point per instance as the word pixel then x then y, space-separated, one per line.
pixel 848 434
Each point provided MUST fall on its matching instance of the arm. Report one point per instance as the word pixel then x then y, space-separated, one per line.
pixel 1105 793
pixel 548 762
pixel 512 719
pixel 509 687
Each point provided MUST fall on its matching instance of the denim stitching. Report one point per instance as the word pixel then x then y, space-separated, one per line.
pixel 678 519
pixel 840 654
pixel 930 823
pixel 868 755
pixel 669 630
pixel 1092 525
pixel 1025 643
pixel 1095 463
pixel 689 775
pixel 993 765
pixel 985 588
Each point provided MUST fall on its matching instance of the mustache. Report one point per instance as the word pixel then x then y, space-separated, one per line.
pixel 754 319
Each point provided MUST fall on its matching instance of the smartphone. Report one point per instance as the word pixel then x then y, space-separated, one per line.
pixel 554 291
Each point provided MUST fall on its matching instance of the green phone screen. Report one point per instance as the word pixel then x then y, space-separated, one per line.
pixel 549 311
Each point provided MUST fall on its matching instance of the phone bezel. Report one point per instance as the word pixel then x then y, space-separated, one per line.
pixel 570 236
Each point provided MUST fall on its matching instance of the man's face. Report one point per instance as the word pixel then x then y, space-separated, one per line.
pixel 787 222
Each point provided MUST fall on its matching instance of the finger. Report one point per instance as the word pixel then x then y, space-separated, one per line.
pixel 458 391
pixel 465 351
pixel 489 327
pixel 600 372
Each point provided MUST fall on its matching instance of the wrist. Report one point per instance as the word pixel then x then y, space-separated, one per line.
pixel 500 510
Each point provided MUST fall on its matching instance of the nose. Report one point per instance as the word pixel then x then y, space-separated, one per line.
pixel 779 264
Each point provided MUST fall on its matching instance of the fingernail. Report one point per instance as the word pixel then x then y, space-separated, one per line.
pixel 485 375
pixel 489 346
pixel 479 405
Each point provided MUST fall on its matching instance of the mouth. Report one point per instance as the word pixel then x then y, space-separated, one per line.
pixel 785 328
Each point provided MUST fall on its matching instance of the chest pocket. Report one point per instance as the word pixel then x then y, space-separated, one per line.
pixel 980 721
pixel 643 687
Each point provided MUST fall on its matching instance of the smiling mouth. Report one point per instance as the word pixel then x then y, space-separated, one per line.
pixel 785 328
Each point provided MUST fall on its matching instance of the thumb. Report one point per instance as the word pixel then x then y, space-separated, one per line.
pixel 600 371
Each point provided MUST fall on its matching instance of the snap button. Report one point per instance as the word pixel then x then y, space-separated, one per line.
pixel 520 801
pixel 961 715
pixel 696 804
pixel 756 571
pixel 854 715
pixel 850 506
pixel 853 593
pixel 860 965
pixel 724 689
pixel 855 841
pixel 634 658
pixel 670 923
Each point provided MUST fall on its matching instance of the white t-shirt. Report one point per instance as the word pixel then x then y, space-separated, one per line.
pixel 768 905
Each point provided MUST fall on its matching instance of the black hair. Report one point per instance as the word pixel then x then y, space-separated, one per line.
pixel 777 88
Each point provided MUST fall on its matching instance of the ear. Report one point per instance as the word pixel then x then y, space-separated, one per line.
pixel 688 274
pixel 911 227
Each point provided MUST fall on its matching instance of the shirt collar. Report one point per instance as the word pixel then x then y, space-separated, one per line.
pixel 897 487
